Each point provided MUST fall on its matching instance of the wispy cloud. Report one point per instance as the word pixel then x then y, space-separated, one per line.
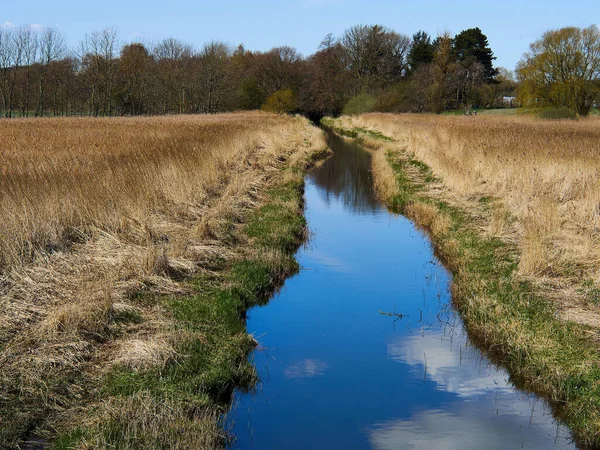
pixel 456 370
pixel 33 26
pixel 468 429
pixel 330 262
pixel 309 368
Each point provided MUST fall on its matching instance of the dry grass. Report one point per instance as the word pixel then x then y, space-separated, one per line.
pixel 429 217
pixel 96 210
pixel 546 175
pixel 141 422
pixel 385 182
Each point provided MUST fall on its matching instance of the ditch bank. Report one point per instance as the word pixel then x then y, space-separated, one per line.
pixel 504 314
pixel 179 403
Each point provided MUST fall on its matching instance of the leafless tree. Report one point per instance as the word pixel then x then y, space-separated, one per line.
pixel 52 47
pixel 215 75
pixel 171 56
pixel 27 39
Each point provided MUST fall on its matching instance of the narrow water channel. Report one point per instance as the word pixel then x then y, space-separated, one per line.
pixel 338 374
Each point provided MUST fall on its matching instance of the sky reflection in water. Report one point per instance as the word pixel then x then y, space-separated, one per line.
pixel 337 374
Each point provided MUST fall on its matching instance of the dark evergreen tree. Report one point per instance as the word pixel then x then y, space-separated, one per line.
pixel 422 50
pixel 471 46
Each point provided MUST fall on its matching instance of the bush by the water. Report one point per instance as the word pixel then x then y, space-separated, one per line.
pixel 359 104
pixel 281 102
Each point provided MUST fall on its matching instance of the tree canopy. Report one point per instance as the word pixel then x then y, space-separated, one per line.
pixel 562 69
pixel 471 46
pixel 421 50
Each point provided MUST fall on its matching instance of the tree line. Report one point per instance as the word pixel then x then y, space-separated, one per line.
pixel 367 68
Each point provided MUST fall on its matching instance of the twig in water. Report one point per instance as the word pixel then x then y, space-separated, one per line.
pixel 398 316
pixel 393 314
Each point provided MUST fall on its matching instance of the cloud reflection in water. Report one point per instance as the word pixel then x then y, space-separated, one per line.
pixel 308 368
pixel 500 418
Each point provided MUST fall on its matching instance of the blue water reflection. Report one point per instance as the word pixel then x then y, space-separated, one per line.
pixel 338 374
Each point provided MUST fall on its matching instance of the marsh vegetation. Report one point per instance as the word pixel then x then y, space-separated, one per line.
pixel 130 250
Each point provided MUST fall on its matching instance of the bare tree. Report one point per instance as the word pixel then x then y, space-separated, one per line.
pixel 6 49
pixel 355 44
pixel 97 53
pixel 12 59
pixel 51 48
pixel 135 64
pixel 376 56
pixel 28 40
pixel 108 47
pixel 278 69
pixel 171 56
pixel 215 75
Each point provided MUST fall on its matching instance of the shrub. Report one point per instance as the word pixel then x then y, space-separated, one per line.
pixel 359 104
pixel 550 113
pixel 556 113
pixel 281 102
pixel 393 99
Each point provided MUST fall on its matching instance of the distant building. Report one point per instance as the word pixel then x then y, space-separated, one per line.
pixel 510 102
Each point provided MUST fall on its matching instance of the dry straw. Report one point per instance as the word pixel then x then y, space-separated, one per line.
pixel 94 210
pixel 546 174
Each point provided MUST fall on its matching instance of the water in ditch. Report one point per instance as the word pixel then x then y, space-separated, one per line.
pixel 337 372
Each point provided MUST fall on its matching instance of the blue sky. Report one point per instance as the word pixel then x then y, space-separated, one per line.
pixel 261 24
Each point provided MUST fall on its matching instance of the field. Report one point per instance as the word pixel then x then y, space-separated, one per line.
pixel 543 178
pixel 512 206
pixel 129 251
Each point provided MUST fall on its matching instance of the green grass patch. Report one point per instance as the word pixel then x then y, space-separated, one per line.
pixel 591 292
pixel 357 133
pixel 279 224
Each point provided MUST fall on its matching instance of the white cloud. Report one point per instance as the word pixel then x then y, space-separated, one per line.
pixel 308 368
pixel 468 429
pixel 454 366
pixel 330 262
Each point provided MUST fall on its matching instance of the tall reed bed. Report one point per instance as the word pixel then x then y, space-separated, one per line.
pixel 61 179
pixel 546 173
pixel 100 213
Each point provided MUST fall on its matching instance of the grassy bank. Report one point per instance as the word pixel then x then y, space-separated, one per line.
pixel 140 339
pixel 507 311
pixel 179 403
